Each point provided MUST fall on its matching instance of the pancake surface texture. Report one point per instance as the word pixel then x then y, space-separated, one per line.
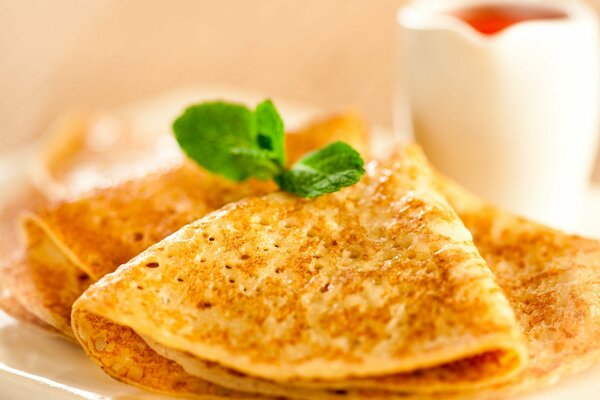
pixel 77 241
pixel 552 281
pixel 378 286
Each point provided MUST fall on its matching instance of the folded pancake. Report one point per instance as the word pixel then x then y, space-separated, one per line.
pixel 376 287
pixel 552 281
pixel 81 150
pixel 26 198
pixel 11 305
pixel 76 242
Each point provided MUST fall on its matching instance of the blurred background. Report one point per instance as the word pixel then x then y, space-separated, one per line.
pixel 59 54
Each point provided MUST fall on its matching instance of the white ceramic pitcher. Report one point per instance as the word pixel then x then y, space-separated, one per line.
pixel 512 116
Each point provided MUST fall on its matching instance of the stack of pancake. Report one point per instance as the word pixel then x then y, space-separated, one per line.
pixel 401 286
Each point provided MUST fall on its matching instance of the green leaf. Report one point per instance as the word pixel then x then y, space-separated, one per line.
pixel 234 141
pixel 270 130
pixel 259 163
pixel 325 171
pixel 207 132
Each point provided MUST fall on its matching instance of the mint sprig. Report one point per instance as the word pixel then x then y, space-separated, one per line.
pixel 324 171
pixel 239 143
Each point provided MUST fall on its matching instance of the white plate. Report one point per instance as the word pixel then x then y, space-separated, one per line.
pixel 34 365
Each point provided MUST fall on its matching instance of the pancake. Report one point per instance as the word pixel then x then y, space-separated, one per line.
pixel 77 241
pixel 87 150
pixel 552 281
pixel 74 159
pixel 374 287
pixel 13 307
pixel 10 253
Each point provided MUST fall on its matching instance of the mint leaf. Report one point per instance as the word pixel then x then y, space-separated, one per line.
pixel 259 163
pixel 325 171
pixel 238 143
pixel 270 130
pixel 207 132
pixel 257 154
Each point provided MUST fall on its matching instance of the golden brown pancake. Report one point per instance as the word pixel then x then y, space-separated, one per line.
pixel 552 281
pixel 373 287
pixel 13 307
pixel 75 242
pixel 10 251
pixel 73 158
pixel 551 287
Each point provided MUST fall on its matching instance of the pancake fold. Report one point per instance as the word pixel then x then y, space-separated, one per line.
pixel 77 240
pixel 375 288
pixel 550 278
